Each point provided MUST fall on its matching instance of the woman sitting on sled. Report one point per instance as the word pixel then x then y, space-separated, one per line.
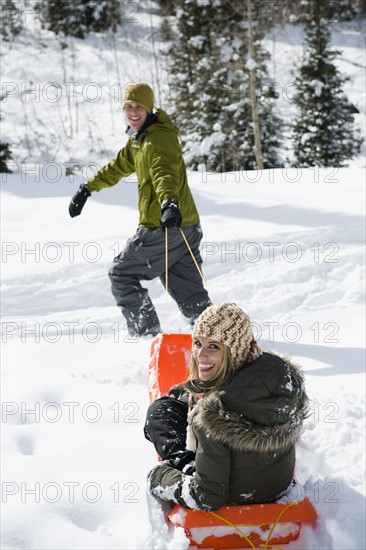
pixel 227 435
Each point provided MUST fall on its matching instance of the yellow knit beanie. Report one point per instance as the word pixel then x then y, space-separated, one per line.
pixel 139 93
pixel 227 323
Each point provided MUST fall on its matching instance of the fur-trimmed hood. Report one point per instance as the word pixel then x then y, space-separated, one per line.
pixel 261 409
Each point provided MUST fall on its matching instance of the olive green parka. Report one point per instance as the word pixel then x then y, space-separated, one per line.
pixel 154 153
pixel 246 433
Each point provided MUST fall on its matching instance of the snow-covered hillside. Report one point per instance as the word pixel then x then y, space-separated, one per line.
pixel 286 245
pixel 62 96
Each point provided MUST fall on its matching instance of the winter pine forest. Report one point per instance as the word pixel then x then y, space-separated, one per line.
pixel 210 62
pixel 269 98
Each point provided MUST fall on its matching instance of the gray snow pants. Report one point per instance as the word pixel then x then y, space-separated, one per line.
pixel 143 258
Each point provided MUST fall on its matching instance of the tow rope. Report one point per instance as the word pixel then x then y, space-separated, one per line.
pixel 266 544
pixel 166 270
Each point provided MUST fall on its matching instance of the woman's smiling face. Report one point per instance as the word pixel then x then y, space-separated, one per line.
pixel 208 354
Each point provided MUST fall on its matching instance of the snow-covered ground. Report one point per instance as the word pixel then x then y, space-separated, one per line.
pixel 286 245
pixel 288 249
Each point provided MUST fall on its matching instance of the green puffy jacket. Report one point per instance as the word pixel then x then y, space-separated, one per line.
pixel 245 435
pixel 156 157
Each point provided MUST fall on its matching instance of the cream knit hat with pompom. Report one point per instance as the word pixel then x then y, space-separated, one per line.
pixel 227 323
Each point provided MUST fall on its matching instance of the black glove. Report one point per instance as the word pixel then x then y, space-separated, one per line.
pixel 178 392
pixel 170 214
pixel 183 461
pixel 78 201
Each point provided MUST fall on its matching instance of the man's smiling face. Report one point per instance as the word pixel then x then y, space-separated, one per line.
pixel 135 115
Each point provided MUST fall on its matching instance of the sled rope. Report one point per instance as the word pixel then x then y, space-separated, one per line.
pixel 195 262
pixel 166 279
pixel 166 271
pixel 275 524
pixel 194 259
pixel 266 544
pixel 236 528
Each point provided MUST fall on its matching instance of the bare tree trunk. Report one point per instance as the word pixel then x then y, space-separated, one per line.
pixel 253 92
pixel 155 56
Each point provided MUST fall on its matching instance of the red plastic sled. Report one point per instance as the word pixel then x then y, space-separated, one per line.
pixel 169 363
pixel 244 526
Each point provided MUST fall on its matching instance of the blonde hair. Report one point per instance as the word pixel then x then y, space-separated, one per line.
pixel 225 372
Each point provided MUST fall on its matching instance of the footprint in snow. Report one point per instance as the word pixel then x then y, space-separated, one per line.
pixel 26 445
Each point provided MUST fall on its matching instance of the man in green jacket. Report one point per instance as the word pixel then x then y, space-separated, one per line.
pixel 165 205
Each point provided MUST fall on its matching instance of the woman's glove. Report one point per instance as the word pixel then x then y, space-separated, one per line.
pixel 182 461
pixel 178 392
pixel 78 201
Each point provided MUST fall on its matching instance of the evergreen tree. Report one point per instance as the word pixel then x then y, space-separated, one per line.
pixel 10 20
pixel 283 12
pixel 209 86
pixel 339 10
pixel 5 155
pixel 80 17
pixel 323 133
